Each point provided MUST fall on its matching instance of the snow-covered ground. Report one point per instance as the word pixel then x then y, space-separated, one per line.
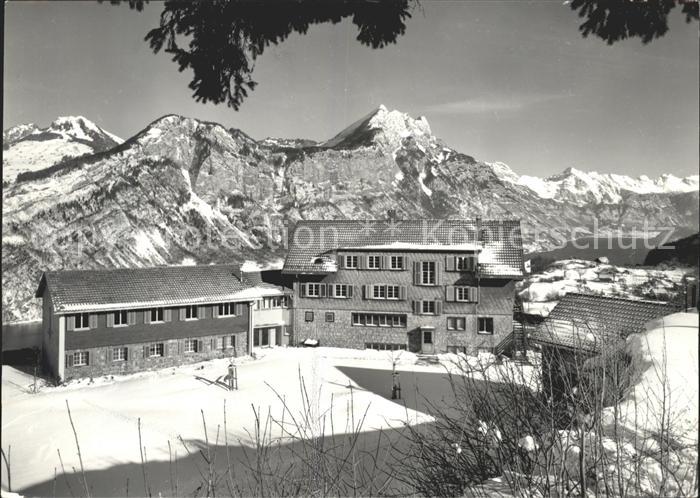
pixel 541 291
pixel 168 402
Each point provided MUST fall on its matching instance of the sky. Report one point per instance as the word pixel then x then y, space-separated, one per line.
pixel 499 80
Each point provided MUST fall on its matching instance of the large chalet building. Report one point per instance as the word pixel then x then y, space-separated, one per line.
pixel 427 286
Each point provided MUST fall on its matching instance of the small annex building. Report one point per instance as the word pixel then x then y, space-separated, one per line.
pixel 109 321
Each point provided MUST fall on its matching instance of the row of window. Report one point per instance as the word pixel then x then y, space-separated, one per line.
pixel 467 262
pixel 383 346
pixel 271 302
pixel 485 324
pixel 466 294
pixel 153 350
pixel 124 318
pixel 378 320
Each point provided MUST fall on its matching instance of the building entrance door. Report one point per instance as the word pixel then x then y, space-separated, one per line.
pixel 427 345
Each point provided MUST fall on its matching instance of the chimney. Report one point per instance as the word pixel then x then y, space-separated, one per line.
pixel 391 214
pixel 478 228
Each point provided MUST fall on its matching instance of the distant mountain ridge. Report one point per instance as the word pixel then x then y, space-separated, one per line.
pixel 27 147
pixel 185 189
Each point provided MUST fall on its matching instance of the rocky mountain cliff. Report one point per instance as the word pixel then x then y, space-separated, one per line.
pixel 188 190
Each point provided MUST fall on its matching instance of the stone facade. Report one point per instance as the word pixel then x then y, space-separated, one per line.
pixel 495 300
pixel 100 358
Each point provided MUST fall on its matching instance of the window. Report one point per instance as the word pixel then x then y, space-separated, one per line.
pixel 428 307
pixel 227 309
pixel 119 354
pixel 456 323
pixel 313 290
pixel 309 316
pixel 392 292
pixel 465 263
pixel 396 263
pixel 379 292
pixel 427 337
pixel 81 358
pixel 82 321
pixel 485 325
pixel 155 349
pixel 427 276
pixel 351 262
pixel 378 320
pixel 374 262
pixel 457 349
pixel 225 342
pixel 121 319
pixel 340 290
pixel 190 312
pixel 330 317
pixel 465 294
pixel 190 345
pixel 156 315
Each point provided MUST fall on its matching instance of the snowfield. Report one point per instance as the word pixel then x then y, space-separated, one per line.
pixel 541 291
pixel 168 402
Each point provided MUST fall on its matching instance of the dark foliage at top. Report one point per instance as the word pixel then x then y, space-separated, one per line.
pixel 220 40
pixel 615 20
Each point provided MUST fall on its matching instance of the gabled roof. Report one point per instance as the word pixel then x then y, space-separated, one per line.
pixel 584 321
pixel 499 242
pixel 122 288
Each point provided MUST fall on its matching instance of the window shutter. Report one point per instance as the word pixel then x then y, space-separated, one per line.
pixel 182 313
pixel 168 315
pixel 438 307
pixel 87 357
pixel 341 261
pixel 131 317
pixel 93 321
pixel 145 351
pixel 110 319
pixel 215 311
pixel 450 263
pixel 386 262
pixel 416 273
pixel 200 346
pixel 364 292
pixel 362 261
pixel 417 307
pixel 202 312
pixel 322 290
pixel 449 293
pixel 69 360
pixel 402 293
pixel 147 316
pixel 474 294
pixel 213 344
pixel 331 290
pixel 438 271
pixel 350 289
pixel 70 323
pixel 302 290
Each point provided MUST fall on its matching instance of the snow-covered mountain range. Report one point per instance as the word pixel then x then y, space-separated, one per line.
pixel 582 187
pixel 185 189
pixel 27 147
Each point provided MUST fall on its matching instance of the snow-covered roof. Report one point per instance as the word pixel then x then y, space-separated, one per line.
pixel 160 286
pixel 499 242
pixel 586 322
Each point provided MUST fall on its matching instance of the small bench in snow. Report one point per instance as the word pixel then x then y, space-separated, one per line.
pixel 310 343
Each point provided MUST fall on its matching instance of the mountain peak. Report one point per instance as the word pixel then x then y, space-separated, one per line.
pixel 382 127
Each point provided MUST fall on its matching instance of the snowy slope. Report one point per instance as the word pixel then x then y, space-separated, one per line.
pixel 30 148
